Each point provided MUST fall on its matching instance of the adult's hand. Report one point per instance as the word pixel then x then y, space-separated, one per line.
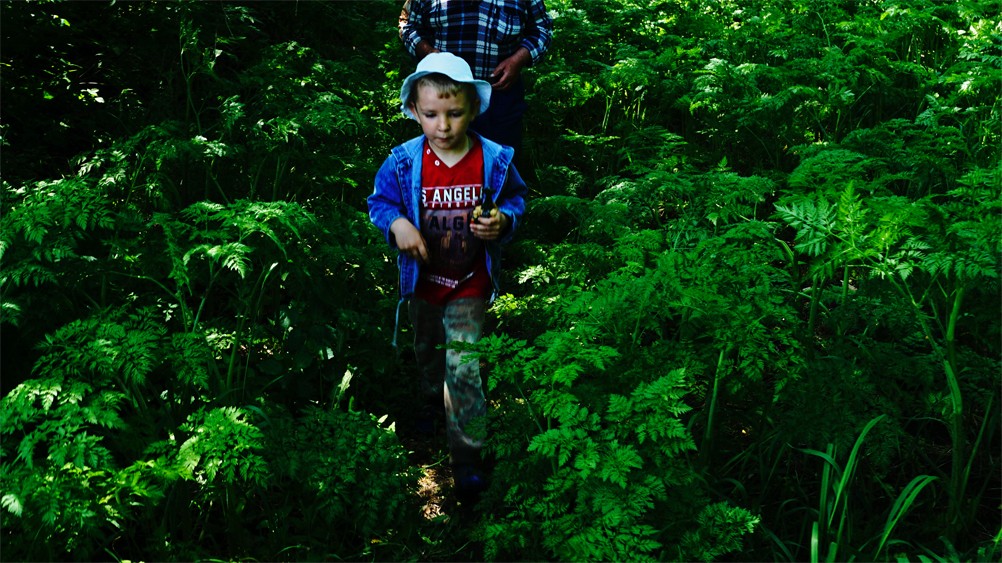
pixel 425 48
pixel 507 72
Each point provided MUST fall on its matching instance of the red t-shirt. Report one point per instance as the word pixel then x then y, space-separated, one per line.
pixel 457 265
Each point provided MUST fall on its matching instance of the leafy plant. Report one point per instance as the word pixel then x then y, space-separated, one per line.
pixel 67 486
pixel 755 227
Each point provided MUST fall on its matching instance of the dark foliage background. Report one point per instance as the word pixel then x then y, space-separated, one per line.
pixel 754 313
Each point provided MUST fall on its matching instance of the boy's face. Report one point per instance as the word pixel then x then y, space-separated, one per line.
pixel 444 120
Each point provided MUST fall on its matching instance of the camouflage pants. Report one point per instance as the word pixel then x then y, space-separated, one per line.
pixel 451 374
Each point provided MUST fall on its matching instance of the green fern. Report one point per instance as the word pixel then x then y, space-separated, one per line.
pixel 331 463
pixel 40 411
pixel 222 444
pixel 721 531
pixel 814 222
pixel 109 346
pixel 609 468
pixel 64 489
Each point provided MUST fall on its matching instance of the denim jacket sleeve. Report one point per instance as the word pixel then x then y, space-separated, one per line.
pixel 396 194
pixel 387 202
pixel 506 183
pixel 510 200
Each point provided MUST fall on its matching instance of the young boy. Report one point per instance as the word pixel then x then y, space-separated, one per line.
pixel 424 200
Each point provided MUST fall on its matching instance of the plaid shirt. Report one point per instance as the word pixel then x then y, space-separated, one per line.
pixel 483 32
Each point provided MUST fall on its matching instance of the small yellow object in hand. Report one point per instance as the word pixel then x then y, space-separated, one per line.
pixel 478 212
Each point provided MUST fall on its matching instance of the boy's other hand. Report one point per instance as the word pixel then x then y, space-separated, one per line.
pixel 409 239
pixel 489 228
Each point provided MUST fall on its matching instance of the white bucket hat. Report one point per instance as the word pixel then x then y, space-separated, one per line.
pixel 451 66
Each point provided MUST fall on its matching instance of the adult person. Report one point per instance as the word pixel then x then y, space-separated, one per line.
pixel 497 38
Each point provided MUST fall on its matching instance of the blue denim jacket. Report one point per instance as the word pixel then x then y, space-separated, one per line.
pixel 398 194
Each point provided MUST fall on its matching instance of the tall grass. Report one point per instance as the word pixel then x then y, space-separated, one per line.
pixel 830 537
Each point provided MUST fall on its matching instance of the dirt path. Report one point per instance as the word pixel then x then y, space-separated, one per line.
pixel 449 523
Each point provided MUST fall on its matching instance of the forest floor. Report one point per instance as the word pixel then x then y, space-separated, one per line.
pixel 448 521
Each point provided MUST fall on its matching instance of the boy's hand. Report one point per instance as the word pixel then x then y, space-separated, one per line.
pixel 409 239
pixel 489 228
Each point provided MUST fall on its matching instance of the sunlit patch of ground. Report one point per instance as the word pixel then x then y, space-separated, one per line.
pixel 427 452
pixel 448 522
pixel 434 487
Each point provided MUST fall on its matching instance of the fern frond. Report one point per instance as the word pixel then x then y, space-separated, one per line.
pixel 618 462
pixel 721 528
pixel 10 313
pixel 55 413
pixel 814 222
pixel 232 256
pixel 12 503
pixel 104 347
pixel 222 444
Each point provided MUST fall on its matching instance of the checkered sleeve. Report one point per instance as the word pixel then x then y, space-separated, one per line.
pixel 413 25
pixel 539 32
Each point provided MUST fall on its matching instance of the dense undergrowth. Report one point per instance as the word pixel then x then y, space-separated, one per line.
pixel 754 313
